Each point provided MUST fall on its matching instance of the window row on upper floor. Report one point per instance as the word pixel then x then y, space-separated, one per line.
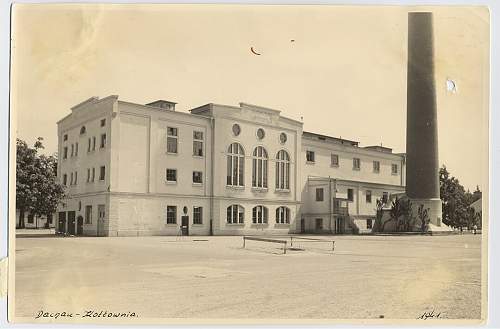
pixel 356 163
pixel 83 129
pixel 173 141
pixel 320 195
pixel 236 168
pixel 72 150
pixel 71 179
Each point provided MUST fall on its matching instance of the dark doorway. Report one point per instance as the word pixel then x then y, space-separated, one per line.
pixel 79 225
pixel 101 214
pixel 339 225
pixel 71 222
pixel 185 225
pixel 302 225
pixel 61 227
pixel 319 224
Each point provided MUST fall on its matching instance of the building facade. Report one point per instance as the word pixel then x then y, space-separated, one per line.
pixel 133 169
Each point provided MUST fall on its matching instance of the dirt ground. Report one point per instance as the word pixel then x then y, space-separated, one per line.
pixel 214 277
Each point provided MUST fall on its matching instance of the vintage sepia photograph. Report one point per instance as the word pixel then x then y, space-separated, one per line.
pixel 210 164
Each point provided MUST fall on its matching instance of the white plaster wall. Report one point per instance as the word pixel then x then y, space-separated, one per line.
pixel 133 215
pixel 322 165
pixel 88 115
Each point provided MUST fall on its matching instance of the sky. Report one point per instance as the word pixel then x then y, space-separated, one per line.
pixel 340 69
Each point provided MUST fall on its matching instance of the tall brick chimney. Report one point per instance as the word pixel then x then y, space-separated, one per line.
pixel 422 166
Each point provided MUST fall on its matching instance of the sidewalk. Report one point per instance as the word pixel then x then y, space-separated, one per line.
pixel 34 233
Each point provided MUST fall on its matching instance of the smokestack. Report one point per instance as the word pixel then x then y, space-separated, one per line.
pixel 422 166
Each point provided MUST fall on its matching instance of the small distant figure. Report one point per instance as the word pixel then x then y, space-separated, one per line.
pixel 461 229
pixel 474 228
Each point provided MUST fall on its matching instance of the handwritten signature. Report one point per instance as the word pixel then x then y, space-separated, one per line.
pixel 86 314
pixel 430 315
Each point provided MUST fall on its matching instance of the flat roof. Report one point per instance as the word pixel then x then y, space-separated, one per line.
pixel 330 138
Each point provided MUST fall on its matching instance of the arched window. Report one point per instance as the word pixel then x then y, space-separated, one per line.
pixel 83 130
pixel 259 168
pixel 282 215
pixel 259 215
pixel 235 165
pixel 282 170
pixel 235 214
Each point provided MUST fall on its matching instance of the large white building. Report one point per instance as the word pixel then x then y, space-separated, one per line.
pixel 133 169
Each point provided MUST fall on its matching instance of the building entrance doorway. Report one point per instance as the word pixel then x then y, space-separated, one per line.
pixel 185 225
pixel 61 226
pixel 79 225
pixel 318 224
pixel 71 222
pixel 101 214
pixel 302 225
pixel 339 225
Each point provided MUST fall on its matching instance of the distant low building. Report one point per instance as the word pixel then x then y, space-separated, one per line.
pixel 133 169
pixel 31 221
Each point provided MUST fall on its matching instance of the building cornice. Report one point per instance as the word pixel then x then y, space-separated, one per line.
pixel 355 182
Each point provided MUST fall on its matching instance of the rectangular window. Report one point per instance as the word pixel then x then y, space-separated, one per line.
pixel 197 177
pixel 197 215
pixel 93 174
pixel 319 194
pixel 171 214
pixel 76 149
pixel 350 194
pixel 30 218
pixel 88 175
pixel 356 163
pixel 335 160
pixel 65 152
pixel 385 197
pixel 171 140
pixel 88 214
pixel 103 122
pixel 368 196
pixel 71 179
pixel 376 166
pixel 65 137
pixel 103 140
pixel 369 224
pixel 72 150
pixel 198 143
pixel 310 156
pixel 171 175
pixel 49 219
pixel 76 178
pixel 90 142
pixel 394 169
pixel 93 143
pixel 65 179
pixel 102 173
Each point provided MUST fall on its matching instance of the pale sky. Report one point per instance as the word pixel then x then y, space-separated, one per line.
pixel 344 73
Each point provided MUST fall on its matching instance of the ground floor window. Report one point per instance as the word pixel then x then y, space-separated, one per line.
pixel 171 214
pixel 369 223
pixel 235 214
pixel 198 215
pixel 282 215
pixel 259 215
pixel 30 218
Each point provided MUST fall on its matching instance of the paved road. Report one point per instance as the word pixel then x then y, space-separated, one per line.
pixel 366 277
